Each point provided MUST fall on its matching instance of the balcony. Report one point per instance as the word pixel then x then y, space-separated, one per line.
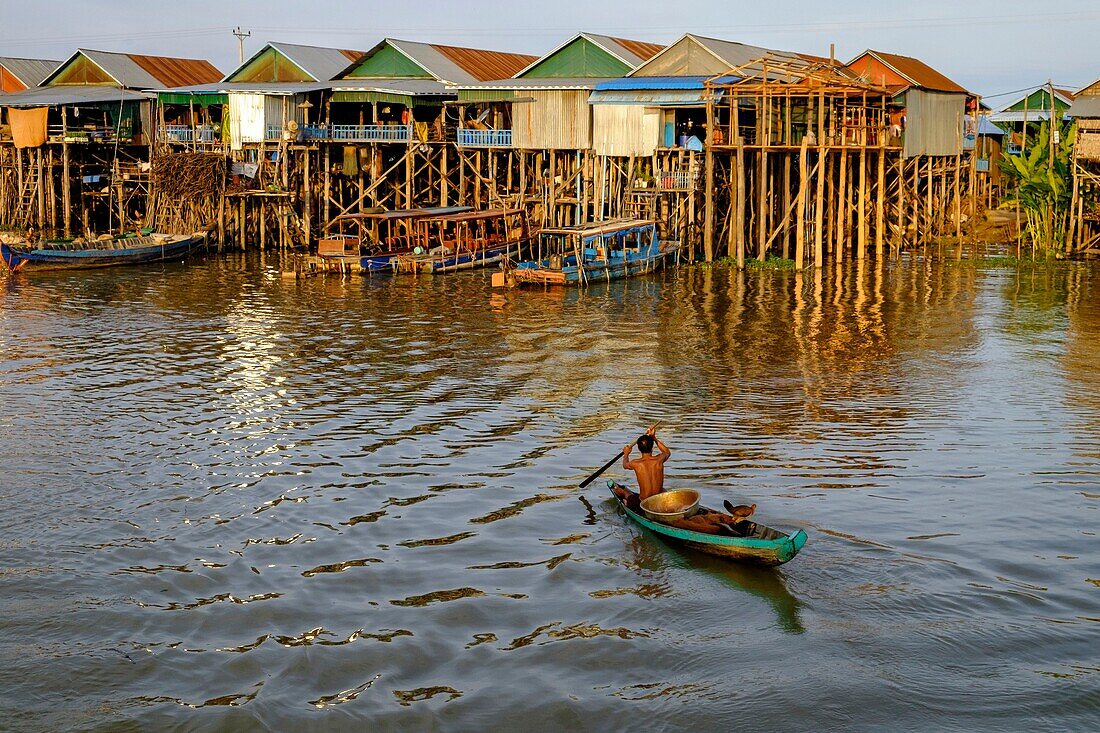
pixel 468 138
pixel 347 133
pixel 188 134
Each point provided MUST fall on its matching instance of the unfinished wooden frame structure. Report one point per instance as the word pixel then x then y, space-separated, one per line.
pixel 802 161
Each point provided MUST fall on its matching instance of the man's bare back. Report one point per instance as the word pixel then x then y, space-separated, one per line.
pixel 648 468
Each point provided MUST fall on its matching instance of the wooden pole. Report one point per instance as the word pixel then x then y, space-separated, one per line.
pixel 861 252
pixel 819 206
pixel 842 206
pixel 800 219
pixel 787 202
pixel 708 202
pixel 66 182
pixel 762 205
pixel 880 203
pixel 328 184
pixel 739 209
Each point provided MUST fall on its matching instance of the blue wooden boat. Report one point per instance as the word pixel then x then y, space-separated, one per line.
pixel 468 240
pixel 128 250
pixel 593 252
pixel 757 544
pixel 376 238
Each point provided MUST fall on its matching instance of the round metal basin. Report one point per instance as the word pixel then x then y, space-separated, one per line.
pixel 671 505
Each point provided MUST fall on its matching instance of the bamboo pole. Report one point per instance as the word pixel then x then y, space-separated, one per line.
pixel 66 181
pixel 842 206
pixel 800 219
pixel 786 201
pixel 708 203
pixel 819 206
pixel 880 203
pixel 762 203
pixel 739 210
pixel 861 212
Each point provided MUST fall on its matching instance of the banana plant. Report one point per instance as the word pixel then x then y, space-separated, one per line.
pixel 1043 186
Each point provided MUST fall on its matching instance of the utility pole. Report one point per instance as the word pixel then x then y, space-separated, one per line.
pixel 241 35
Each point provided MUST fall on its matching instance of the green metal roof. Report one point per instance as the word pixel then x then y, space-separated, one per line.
pixel 581 58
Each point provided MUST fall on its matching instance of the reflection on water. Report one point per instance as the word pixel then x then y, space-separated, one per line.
pixel 335 503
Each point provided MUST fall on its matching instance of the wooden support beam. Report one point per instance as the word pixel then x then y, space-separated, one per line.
pixel 800 216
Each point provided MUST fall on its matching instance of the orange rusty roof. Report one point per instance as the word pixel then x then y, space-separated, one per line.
pixel 643 50
pixel 174 72
pixel 485 65
pixel 917 72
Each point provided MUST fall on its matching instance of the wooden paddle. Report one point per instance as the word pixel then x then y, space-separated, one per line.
pixel 610 463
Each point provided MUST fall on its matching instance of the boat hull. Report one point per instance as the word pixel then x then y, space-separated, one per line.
pixel 142 250
pixel 592 271
pixel 464 260
pixel 771 552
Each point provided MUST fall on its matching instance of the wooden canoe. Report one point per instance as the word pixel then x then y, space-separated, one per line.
pixel 760 545
pixel 126 250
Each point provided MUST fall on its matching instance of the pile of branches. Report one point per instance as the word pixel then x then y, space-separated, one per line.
pixel 190 175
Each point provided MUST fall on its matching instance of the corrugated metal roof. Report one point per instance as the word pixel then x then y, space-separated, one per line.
pixel 222 87
pixel 1086 106
pixel 539 83
pixel 322 63
pixel 413 87
pixel 733 53
pixel 134 71
pixel 71 94
pixel 916 71
pixel 634 53
pixel 986 127
pixel 462 65
pixel 29 71
pixel 177 72
pixel 727 54
pixel 1032 115
pixel 672 97
pixel 652 82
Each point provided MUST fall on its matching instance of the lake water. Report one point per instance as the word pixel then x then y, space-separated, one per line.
pixel 230 501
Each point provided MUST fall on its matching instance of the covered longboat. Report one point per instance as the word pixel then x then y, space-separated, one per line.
pixel 591 252
pixel 467 240
pixel 377 236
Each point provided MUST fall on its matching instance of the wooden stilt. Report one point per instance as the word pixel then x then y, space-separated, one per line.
pixel 800 217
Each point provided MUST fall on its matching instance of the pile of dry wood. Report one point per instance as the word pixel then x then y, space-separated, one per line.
pixel 189 175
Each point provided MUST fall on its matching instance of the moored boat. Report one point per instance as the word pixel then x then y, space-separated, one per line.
pixel 757 544
pixel 592 252
pixel 468 240
pixel 377 237
pixel 23 256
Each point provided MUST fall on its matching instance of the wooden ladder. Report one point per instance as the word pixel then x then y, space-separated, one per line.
pixel 26 207
pixel 640 204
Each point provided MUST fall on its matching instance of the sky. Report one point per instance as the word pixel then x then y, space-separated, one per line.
pixel 992 47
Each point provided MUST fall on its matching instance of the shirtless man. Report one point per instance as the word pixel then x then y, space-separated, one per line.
pixel 649 469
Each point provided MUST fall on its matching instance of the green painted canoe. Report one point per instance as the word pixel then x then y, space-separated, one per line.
pixel 761 545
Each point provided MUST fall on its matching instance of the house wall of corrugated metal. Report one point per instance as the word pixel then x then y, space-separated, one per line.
pixel 933 123
pixel 246 119
pixel 625 129
pixel 556 120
